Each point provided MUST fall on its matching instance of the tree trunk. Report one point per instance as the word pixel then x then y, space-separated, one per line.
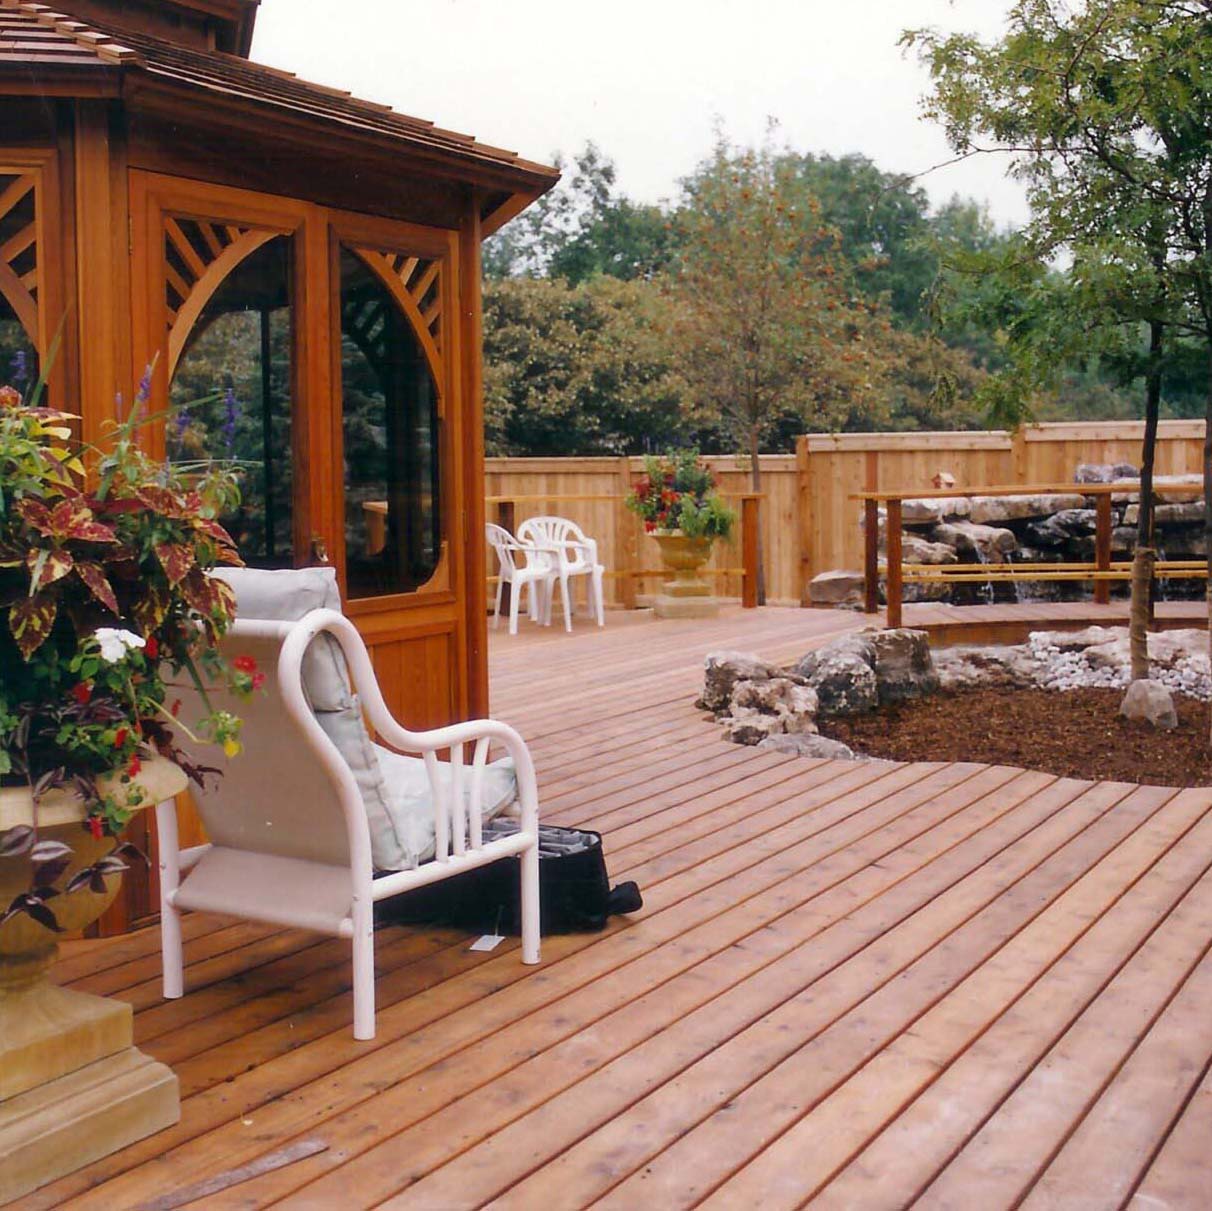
pixel 755 478
pixel 1146 555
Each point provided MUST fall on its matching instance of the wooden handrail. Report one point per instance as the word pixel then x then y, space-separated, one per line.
pixel 1122 487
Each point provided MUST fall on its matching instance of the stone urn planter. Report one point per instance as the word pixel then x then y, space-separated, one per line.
pixel 685 594
pixel 73 1088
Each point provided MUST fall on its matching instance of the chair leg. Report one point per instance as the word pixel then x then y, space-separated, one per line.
pixel 514 593
pixel 172 952
pixel 530 904
pixel 567 603
pixel 599 602
pixel 496 609
pixel 363 971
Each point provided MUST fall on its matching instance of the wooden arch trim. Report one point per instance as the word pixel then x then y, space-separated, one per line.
pixel 14 288
pixel 381 266
pixel 203 290
pixel 21 301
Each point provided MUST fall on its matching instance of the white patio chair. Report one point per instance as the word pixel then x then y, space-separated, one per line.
pixel 535 572
pixel 300 822
pixel 576 555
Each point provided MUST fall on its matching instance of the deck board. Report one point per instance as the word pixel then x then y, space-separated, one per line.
pixel 852 984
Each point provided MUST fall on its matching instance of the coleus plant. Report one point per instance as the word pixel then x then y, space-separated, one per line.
pixel 105 604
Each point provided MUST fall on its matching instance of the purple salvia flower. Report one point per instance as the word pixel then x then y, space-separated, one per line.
pixel 181 424
pixel 231 414
pixel 145 386
pixel 20 368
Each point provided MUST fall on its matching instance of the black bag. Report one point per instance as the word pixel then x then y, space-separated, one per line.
pixel 574 889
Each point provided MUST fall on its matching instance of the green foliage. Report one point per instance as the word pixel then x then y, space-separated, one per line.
pixel 677 492
pixel 584 369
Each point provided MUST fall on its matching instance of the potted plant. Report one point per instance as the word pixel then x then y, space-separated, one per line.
pixel 677 499
pixel 105 603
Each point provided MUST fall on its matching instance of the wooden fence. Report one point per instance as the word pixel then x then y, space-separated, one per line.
pixel 809 523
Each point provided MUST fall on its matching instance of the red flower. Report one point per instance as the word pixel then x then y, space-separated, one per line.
pixel 82 692
pixel 152 648
pixel 649 526
pixel 244 664
pixel 176 707
pixel 120 737
pixel 258 680
pixel 135 765
pixel 96 827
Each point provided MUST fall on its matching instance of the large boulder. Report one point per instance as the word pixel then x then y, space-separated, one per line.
pixel 839 588
pixel 902 664
pixel 776 696
pixel 962 668
pixel 991 544
pixel 986 509
pixel 1104 473
pixel 1150 702
pixel 1181 513
pixel 809 746
pixel 749 726
pixel 919 550
pixel 722 670
pixel 926 512
pixel 845 684
pixel 1058 529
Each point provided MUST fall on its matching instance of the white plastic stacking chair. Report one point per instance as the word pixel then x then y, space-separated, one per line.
pixel 298 821
pixel 534 571
pixel 576 555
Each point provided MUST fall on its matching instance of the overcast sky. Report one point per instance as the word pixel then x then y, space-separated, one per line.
pixel 646 79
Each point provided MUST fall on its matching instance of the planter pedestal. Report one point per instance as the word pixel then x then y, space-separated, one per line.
pixel 685 595
pixel 73 1088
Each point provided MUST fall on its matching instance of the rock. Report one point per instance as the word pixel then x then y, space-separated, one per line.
pixel 1168 648
pixel 1123 538
pixel 968 538
pixel 1011 508
pixel 776 696
pixel 1150 702
pixel 809 746
pixel 722 670
pixel 842 588
pixel 902 664
pixel 1075 641
pixel 919 512
pixel 1056 530
pixel 1104 473
pixel 917 550
pixel 1182 513
pixel 845 684
pixel 752 727
pixel 962 668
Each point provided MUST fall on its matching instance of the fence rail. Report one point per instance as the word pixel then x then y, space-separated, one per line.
pixel 808 521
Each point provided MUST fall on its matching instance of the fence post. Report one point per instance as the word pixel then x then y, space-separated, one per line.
pixel 1102 546
pixel 871 557
pixel 627 553
pixel 750 523
pixel 1018 454
pixel 893 547
pixel 803 496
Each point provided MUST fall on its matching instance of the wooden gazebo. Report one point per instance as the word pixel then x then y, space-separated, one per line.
pixel 307 262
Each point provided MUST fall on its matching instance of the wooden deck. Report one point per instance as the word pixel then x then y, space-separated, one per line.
pixel 853 985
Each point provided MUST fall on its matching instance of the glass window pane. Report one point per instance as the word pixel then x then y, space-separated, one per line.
pixel 233 386
pixel 390 408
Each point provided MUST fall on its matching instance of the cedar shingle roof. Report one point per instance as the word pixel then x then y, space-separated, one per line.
pixel 36 38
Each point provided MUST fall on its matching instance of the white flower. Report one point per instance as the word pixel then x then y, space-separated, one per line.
pixel 115 643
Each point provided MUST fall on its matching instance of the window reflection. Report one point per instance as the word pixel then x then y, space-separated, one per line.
pixel 238 362
pixel 390 418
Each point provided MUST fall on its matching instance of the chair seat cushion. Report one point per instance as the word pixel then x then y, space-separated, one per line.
pixel 410 838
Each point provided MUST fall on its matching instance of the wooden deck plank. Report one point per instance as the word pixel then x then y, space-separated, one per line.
pixel 853 979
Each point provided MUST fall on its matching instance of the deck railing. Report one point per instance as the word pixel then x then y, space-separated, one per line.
pixel 1101 570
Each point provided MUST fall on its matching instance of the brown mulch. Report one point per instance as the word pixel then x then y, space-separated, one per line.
pixel 1074 733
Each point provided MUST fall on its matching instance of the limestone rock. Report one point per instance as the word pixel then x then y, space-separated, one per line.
pixel 1076 641
pixel 775 696
pixel 902 664
pixel 991 543
pixel 1056 530
pixel 919 550
pixel 751 727
pixel 919 512
pixel 845 684
pixel 1104 473
pixel 965 667
pixel 722 670
pixel 987 509
pixel 809 746
pixel 840 588
pixel 1150 702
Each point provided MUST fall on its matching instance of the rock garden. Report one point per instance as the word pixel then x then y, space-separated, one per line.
pixel 1062 702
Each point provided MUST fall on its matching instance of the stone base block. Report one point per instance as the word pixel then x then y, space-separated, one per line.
pixel 70 1122
pixel 686 607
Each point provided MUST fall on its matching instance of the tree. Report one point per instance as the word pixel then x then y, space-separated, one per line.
pixel 584 369
pixel 765 311
pixel 1105 108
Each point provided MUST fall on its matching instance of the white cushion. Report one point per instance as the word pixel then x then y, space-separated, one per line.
pixel 412 807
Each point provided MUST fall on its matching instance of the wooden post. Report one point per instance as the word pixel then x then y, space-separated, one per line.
pixel 1102 546
pixel 803 496
pixel 626 547
pixel 893 546
pixel 1018 454
pixel 871 560
pixel 750 522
